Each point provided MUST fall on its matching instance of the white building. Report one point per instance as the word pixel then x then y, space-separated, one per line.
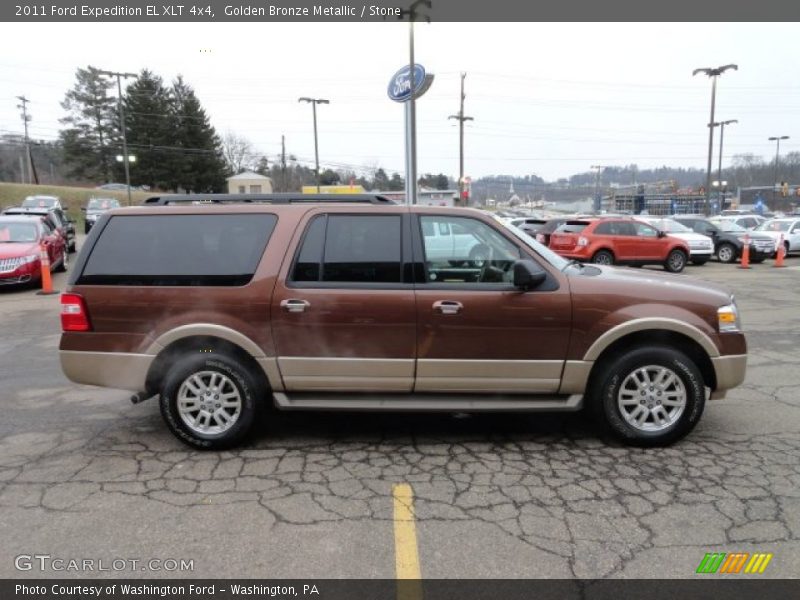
pixel 249 183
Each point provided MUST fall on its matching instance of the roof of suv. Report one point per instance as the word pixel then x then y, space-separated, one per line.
pixel 286 198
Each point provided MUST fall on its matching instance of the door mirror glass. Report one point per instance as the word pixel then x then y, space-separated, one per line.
pixel 661 233
pixel 527 275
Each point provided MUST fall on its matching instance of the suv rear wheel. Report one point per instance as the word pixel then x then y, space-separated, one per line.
pixel 726 253
pixel 650 396
pixel 603 257
pixel 209 401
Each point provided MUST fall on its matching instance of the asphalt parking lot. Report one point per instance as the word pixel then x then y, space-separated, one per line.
pixel 86 475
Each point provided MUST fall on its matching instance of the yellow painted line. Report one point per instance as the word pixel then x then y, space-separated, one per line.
pixel 406 553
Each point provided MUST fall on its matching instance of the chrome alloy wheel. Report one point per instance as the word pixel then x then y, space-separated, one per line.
pixel 209 402
pixel 651 398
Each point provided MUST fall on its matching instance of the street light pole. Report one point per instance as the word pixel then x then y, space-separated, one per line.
pixel 713 74
pixel 719 168
pixel 777 140
pixel 121 110
pixel 314 102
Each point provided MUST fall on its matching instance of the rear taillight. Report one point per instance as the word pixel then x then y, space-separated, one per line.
pixel 74 316
pixel 582 241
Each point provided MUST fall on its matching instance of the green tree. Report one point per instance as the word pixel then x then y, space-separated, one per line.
pixel 380 181
pixel 202 166
pixel 437 182
pixel 396 183
pixel 329 177
pixel 150 129
pixel 90 138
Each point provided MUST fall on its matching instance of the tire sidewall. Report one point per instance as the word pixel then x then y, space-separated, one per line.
pixel 610 256
pixel 732 251
pixel 668 264
pixel 241 378
pixel 674 360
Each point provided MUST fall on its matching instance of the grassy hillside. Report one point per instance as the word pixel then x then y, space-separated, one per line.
pixel 12 194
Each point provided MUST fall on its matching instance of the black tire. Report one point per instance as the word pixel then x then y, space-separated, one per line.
pixel 235 374
pixel 616 373
pixel 72 247
pixel 727 253
pixel 699 261
pixel 62 268
pixel 603 257
pixel 676 261
pixel 479 255
pixel 86 229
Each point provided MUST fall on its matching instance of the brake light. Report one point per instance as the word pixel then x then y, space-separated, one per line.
pixel 582 241
pixel 74 316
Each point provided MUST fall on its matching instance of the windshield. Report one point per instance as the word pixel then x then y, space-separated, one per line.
pixel 17 232
pixel 40 202
pixel 554 259
pixel 729 226
pixel 669 225
pixel 774 226
pixel 102 204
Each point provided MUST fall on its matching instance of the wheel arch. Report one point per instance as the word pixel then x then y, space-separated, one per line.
pixel 677 338
pixel 262 368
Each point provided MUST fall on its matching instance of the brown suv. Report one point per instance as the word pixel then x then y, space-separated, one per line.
pixel 223 304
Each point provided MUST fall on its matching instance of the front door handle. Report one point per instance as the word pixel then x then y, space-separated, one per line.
pixel 448 307
pixel 295 306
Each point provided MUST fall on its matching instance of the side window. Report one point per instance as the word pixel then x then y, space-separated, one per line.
pixel 351 249
pixel 603 229
pixel 643 230
pixel 474 253
pixel 624 228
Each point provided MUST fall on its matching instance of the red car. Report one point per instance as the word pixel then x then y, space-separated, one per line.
pixel 626 241
pixel 20 241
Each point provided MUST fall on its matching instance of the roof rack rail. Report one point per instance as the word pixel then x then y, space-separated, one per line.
pixel 285 198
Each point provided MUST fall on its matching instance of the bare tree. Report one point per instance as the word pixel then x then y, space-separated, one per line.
pixel 237 151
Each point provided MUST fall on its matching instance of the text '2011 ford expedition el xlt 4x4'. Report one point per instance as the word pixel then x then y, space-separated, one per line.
pixel 219 304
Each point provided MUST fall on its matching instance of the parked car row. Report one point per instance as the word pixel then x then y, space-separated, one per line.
pixel 21 240
pixel 668 241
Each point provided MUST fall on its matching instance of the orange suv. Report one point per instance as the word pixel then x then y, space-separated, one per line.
pixel 623 241
pixel 224 305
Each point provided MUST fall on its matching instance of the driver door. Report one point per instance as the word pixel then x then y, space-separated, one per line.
pixel 476 332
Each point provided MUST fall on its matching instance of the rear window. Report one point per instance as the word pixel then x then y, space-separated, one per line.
pixel 572 227
pixel 179 250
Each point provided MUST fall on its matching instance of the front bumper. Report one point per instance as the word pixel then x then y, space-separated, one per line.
pixel 729 371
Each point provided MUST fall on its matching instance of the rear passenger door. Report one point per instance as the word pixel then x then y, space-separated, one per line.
pixel 343 311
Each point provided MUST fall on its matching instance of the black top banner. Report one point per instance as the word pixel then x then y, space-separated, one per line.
pixel 187 11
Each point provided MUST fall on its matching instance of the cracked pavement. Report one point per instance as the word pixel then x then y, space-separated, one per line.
pixel 84 474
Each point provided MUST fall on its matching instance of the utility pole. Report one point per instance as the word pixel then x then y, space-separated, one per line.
pixel 461 118
pixel 121 111
pixel 777 139
pixel 283 163
pixel 721 125
pixel 32 177
pixel 314 102
pixel 713 74
pixel 597 199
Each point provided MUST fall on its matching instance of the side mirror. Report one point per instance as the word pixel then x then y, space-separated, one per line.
pixel 661 233
pixel 711 231
pixel 527 275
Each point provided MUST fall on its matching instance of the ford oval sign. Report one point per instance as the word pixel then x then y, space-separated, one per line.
pixel 400 85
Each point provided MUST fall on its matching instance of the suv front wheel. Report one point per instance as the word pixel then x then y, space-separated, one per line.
pixel 676 261
pixel 209 401
pixel 650 396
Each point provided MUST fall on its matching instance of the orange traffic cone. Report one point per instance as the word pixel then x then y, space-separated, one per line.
pixel 47 281
pixel 745 253
pixel 780 254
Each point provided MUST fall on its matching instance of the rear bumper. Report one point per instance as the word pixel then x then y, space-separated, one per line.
pixel 119 370
pixel 730 372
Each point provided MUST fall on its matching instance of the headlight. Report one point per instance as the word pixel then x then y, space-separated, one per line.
pixel 28 259
pixel 728 318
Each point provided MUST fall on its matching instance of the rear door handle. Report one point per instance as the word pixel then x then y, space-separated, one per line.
pixel 448 307
pixel 295 306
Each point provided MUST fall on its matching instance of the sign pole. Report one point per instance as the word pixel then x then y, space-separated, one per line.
pixel 411 124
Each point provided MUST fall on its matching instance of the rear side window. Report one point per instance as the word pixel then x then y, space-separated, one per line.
pixel 573 227
pixel 167 250
pixel 351 249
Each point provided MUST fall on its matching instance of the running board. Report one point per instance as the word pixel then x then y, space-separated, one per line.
pixel 427 402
